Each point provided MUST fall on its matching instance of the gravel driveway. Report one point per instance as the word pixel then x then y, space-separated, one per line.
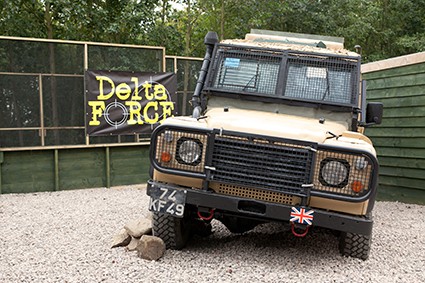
pixel 65 237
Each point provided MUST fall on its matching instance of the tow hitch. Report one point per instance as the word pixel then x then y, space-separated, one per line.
pixel 304 229
pixel 209 217
pixel 301 218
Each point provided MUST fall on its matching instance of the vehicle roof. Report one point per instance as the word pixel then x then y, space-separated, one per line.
pixel 293 41
pixel 289 46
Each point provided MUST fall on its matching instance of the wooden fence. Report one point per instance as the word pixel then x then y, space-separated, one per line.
pixel 43 146
pixel 400 141
pixel 25 170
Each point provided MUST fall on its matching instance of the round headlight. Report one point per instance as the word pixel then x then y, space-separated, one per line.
pixel 334 172
pixel 190 151
pixel 361 163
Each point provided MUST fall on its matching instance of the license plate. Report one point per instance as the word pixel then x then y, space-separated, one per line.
pixel 168 201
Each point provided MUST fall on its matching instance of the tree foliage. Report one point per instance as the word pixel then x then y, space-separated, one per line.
pixel 384 28
pixel 117 21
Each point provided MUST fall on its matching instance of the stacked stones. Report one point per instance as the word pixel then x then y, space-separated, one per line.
pixel 137 236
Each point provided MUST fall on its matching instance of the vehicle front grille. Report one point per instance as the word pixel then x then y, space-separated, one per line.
pixel 258 194
pixel 260 163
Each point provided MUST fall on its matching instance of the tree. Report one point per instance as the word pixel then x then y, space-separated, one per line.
pixel 115 21
pixel 21 18
pixel 384 28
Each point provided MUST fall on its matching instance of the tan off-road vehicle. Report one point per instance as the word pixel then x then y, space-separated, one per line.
pixel 275 135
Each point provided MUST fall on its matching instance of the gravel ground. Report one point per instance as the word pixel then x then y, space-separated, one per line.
pixel 65 237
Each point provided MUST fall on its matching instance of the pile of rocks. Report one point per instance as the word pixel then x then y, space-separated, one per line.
pixel 137 236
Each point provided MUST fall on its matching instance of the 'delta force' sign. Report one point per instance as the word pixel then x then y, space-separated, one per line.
pixel 119 103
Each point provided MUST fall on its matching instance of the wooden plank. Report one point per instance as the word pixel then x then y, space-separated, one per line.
pixel 129 165
pixel 395 193
pixel 409 122
pixel 405 142
pixel 397 102
pixel 413 111
pixel 28 165
pixel 159 48
pixel 403 172
pixel 397 82
pixel 82 168
pixel 418 153
pixel 126 154
pixel 27 172
pixel 396 132
pixel 396 71
pixel 412 90
pixel 82 146
pixel 138 168
pixel 35 176
pixel 28 187
pixel 120 179
pixel 402 162
pixel 82 183
pixel 401 182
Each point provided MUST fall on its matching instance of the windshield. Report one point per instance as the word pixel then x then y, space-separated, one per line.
pixel 284 75
pixel 249 75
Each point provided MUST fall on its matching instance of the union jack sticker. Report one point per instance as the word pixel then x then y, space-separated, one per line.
pixel 301 215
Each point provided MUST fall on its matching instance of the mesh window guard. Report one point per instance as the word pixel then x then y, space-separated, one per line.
pixel 327 80
pixel 286 74
pixel 247 72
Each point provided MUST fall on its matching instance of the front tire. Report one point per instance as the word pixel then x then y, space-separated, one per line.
pixel 355 245
pixel 172 230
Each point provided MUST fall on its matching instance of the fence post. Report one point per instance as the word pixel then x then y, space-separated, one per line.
pixel 56 170
pixel 108 168
pixel 1 162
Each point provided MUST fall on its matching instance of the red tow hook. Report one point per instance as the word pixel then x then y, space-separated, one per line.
pixel 297 234
pixel 209 217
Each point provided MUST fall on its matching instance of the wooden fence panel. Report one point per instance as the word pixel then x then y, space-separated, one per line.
pixel 400 139
pixel 50 169
pixel 25 172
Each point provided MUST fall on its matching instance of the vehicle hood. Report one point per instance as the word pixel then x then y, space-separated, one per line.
pixel 278 125
pixel 273 124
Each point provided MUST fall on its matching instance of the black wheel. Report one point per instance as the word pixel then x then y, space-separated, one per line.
pixel 172 230
pixel 355 245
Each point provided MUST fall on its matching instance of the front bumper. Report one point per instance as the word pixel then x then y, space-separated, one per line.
pixel 267 211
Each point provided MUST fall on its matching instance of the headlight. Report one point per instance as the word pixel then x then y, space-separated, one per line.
pixel 189 151
pixel 350 174
pixel 176 148
pixel 334 172
pixel 361 163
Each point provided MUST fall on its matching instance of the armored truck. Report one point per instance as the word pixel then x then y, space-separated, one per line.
pixel 276 135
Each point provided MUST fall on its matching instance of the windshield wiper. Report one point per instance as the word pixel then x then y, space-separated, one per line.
pixel 333 136
pixel 327 91
pixel 254 76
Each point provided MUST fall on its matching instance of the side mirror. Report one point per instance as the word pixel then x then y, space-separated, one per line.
pixel 374 111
